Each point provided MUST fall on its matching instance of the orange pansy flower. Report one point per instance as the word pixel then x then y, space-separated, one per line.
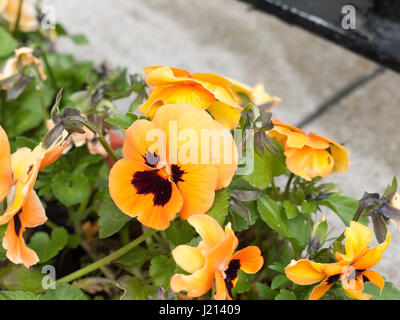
pixel 309 155
pixel 155 181
pixel 28 20
pixel 213 259
pixel 24 209
pixel 351 268
pixel 217 94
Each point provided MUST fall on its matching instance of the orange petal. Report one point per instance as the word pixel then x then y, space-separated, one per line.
pixel 339 154
pixel 299 140
pixel 221 292
pixel 251 260
pixel 356 294
pixel 143 203
pixel 5 165
pixel 188 258
pixel 208 228
pixel 201 281
pixel 309 163
pixel 140 137
pixel 197 189
pixel 17 252
pixel 305 272
pixel 33 213
pixel 372 256
pixel 320 290
pixel 375 278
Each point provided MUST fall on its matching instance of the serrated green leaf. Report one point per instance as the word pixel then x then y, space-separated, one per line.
pixel 265 292
pixel 17 295
pixel 111 219
pixel 389 292
pixel 219 209
pixel 180 232
pixel 162 268
pixel 286 295
pixel 64 291
pixel 134 289
pixel 279 281
pixel 46 247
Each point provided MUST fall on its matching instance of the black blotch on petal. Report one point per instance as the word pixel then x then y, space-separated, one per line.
pixel 333 279
pixel 17 224
pixel 150 182
pixel 177 173
pixel 231 274
pixel 151 159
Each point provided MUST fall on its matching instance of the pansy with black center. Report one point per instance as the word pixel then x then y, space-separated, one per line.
pixel 154 182
pixel 213 259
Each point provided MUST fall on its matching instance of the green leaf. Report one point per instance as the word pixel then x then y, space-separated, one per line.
pixel 46 247
pixel 134 256
pixel 162 268
pixel 79 39
pixel 286 295
pixel 266 167
pixel 111 219
pixel 64 291
pixel 244 282
pixel 123 121
pixel 180 232
pixel 290 209
pixel 17 295
pixel 238 222
pixel 219 209
pixel 308 206
pixel 344 207
pixel 70 189
pixel 18 278
pixel 273 214
pixel 276 266
pixel 279 281
pixel 134 289
pixel 8 43
pixel 389 292
pixel 265 292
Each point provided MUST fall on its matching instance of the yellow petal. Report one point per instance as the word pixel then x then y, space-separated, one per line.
pixel 208 228
pixel 188 258
pixel 358 237
pixel 305 272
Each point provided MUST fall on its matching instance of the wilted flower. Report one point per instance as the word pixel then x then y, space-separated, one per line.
pixel 352 268
pixel 23 58
pixel 219 95
pixel 309 155
pixel 213 259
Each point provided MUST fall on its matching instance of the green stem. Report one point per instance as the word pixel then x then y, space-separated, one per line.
pixel 43 105
pixel 287 187
pixel 51 224
pixel 18 18
pixel 274 189
pixel 102 140
pixel 106 260
pixel 50 71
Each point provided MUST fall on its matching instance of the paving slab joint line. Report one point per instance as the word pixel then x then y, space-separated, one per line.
pixel 339 95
